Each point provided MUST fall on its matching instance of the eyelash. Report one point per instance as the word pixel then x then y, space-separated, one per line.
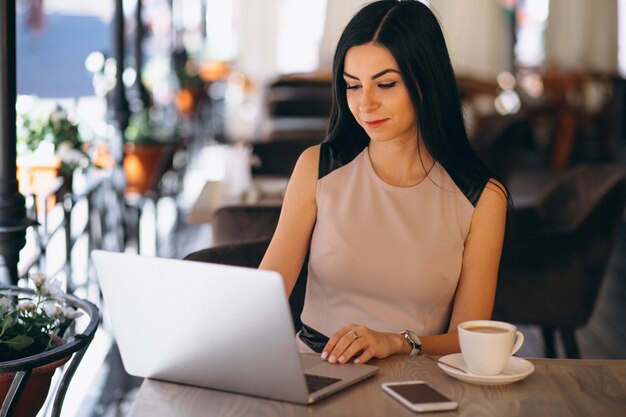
pixel 388 85
pixel 383 86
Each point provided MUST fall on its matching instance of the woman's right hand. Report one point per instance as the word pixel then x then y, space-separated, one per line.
pixel 360 343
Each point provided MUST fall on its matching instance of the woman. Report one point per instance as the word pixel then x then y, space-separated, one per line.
pixel 403 223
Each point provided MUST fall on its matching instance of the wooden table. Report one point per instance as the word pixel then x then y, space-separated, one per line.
pixel 215 195
pixel 558 387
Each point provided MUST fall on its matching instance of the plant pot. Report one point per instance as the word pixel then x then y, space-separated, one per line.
pixel 187 100
pixel 141 163
pixel 36 390
pixel 37 177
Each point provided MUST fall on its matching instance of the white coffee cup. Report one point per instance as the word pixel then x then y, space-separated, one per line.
pixel 487 345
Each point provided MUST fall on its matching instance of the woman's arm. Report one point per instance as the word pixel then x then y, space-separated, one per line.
pixel 474 295
pixel 290 242
pixel 476 290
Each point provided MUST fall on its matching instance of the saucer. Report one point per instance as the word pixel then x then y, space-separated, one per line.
pixel 515 369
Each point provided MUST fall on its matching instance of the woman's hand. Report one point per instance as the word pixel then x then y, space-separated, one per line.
pixel 362 344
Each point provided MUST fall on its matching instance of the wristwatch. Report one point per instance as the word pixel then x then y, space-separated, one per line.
pixel 413 340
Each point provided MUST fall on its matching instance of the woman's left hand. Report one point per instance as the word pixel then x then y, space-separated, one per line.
pixel 359 342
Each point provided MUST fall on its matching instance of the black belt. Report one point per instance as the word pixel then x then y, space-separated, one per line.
pixel 312 338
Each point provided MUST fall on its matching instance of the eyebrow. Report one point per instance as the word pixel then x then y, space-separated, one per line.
pixel 377 75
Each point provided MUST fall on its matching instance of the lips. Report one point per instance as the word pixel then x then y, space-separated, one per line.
pixel 372 124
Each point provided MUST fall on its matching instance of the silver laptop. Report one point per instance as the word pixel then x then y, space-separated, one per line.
pixel 215 326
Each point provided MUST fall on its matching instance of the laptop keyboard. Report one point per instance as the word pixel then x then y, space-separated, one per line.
pixel 317 382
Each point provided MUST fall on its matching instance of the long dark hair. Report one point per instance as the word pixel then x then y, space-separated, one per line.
pixel 411 33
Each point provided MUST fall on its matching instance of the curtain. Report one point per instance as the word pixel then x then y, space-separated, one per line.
pixel 582 34
pixel 477 35
pixel 338 14
pixel 256 22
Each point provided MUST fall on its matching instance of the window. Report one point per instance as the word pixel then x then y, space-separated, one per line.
pixel 300 29
pixel 222 36
pixel 532 17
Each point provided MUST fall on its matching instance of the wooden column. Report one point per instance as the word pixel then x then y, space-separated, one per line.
pixel 13 220
pixel 121 111
pixel 142 93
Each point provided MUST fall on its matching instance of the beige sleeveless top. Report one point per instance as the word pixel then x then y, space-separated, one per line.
pixel 383 256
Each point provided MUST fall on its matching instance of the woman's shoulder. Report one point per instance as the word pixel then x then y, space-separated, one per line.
pixel 495 190
pixel 311 154
pixel 309 160
pixel 494 198
pixel 473 187
pixel 304 175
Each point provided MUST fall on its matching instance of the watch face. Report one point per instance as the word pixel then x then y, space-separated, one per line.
pixel 414 338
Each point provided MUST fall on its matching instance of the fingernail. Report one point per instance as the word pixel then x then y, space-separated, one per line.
pixel 341 358
pixel 324 355
pixel 332 359
pixel 357 361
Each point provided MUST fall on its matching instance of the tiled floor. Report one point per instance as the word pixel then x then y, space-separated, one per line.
pixel 604 336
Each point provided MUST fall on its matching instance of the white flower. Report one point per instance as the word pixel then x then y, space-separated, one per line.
pixel 27 305
pixel 52 288
pixel 71 313
pixel 5 303
pixel 52 309
pixel 38 278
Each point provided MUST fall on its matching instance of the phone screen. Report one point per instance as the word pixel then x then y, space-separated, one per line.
pixel 418 393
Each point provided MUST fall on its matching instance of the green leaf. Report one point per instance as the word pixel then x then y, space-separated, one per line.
pixel 6 323
pixel 20 342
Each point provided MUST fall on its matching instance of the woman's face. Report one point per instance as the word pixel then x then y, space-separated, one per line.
pixel 377 95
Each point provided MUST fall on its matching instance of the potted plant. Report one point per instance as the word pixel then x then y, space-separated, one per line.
pixel 48 147
pixel 191 87
pixel 144 146
pixel 32 322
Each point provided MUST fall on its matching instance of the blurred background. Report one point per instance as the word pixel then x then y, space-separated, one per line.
pixel 163 127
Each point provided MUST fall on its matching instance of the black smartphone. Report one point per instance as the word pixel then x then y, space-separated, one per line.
pixel 419 396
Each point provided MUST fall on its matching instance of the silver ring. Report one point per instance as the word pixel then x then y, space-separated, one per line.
pixel 354 333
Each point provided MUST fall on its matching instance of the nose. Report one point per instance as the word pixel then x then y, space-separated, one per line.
pixel 368 101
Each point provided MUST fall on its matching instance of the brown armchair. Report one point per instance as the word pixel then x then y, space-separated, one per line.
pixel 244 223
pixel 250 254
pixel 277 156
pixel 554 262
pixel 292 96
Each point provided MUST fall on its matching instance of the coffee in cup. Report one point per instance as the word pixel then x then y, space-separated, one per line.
pixel 486 345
